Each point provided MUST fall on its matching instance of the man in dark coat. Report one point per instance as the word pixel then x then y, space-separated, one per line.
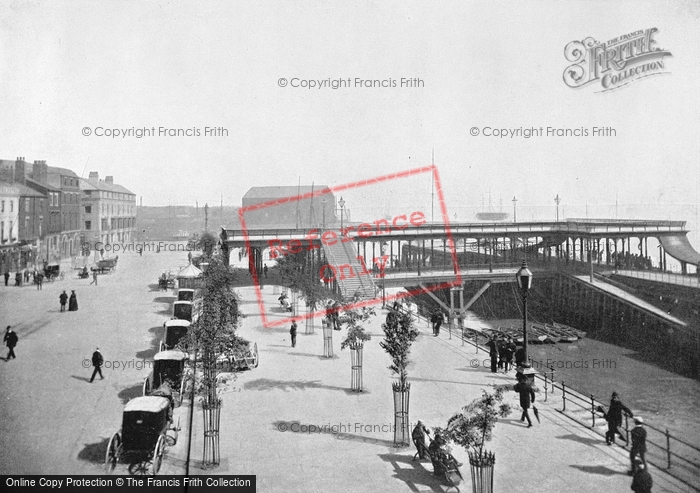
pixel 10 340
pixel 642 481
pixel 493 353
pixel 18 279
pixel 7 277
pixel 293 333
pixel 73 302
pixel 527 396
pixel 520 356
pixel 639 444
pixel 614 419
pixel 418 435
pixel 63 298
pixel 437 319
pixel 97 361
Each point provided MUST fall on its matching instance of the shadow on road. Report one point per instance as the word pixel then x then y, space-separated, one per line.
pixel 94 452
pixel 413 474
pixel 287 385
pixel 603 470
pixel 129 393
pixel 84 379
pixel 580 439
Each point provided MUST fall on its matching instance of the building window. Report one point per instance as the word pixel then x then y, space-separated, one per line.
pixel 88 225
pixel 12 208
pixel 27 204
pixel 2 228
pixel 88 209
pixel 3 206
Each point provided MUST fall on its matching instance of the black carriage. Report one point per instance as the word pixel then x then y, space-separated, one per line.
pixel 175 331
pixel 183 310
pixel 143 436
pixel 169 367
pixel 52 272
pixel 185 294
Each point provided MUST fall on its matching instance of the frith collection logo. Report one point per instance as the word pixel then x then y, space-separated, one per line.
pixel 616 63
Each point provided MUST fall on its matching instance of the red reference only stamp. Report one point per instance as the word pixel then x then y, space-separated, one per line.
pixel 336 250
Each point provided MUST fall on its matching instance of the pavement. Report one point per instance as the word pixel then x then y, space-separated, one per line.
pixel 294 422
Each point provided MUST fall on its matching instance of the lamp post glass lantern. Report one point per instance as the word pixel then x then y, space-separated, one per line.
pixel 524 278
pixel 341 203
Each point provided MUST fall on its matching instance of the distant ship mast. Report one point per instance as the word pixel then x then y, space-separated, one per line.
pixel 491 215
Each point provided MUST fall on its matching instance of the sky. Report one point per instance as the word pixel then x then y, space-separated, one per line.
pixel 71 68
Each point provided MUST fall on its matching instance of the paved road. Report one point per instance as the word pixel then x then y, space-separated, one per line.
pixel 53 419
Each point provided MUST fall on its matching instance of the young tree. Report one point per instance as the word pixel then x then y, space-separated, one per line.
pixel 399 334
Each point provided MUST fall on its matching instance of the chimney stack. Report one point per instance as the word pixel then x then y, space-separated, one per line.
pixel 94 175
pixel 19 175
pixel 109 179
pixel 40 172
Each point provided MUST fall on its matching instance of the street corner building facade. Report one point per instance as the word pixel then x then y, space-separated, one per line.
pixel 108 212
pixel 49 212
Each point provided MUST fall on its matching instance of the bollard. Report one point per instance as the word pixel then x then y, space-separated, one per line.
pixel 593 410
pixel 668 448
pixel 551 369
pixel 563 394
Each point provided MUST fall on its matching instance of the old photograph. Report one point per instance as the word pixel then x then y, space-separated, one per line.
pixel 377 246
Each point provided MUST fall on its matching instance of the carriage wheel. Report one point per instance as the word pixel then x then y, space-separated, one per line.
pixel 146 386
pixel 256 359
pixel 112 454
pixel 158 454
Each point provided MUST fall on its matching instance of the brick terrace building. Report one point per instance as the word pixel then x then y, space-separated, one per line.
pixel 9 227
pixel 109 212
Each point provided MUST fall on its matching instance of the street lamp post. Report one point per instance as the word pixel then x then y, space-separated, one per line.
pixel 556 201
pixel 524 278
pixel 341 203
pixel 515 218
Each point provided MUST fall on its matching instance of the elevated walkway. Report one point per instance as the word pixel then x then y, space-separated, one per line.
pixel 352 277
pixel 630 299
pixel 679 247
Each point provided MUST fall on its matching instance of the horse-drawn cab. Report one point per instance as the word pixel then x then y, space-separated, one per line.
pixel 52 272
pixel 183 310
pixel 168 367
pixel 145 423
pixel 175 331
pixel 185 294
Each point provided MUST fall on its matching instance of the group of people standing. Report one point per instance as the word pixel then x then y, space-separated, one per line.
pixel 72 301
pixel 502 350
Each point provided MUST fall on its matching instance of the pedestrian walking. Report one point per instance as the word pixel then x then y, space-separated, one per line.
pixel 642 482
pixel 493 353
pixel 39 281
pixel 293 333
pixel 18 279
pixel 418 435
pixel 97 361
pixel 437 319
pixel 94 278
pixel 614 418
pixel 7 278
pixel 265 270
pixel 73 302
pixel 10 341
pixel 639 444
pixel 527 397
pixel 63 299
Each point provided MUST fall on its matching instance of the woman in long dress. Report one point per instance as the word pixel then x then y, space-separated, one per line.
pixel 72 302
